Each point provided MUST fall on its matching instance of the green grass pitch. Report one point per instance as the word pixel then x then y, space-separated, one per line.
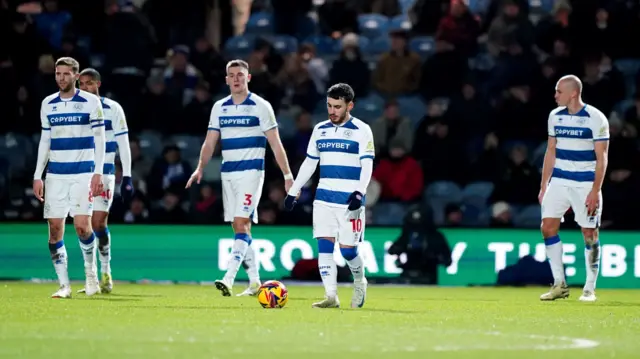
pixel 191 321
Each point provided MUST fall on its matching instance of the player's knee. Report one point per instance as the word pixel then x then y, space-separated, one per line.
pixel 349 253
pixel 82 226
pixel 241 225
pixel 98 224
pixel 549 227
pixel 55 231
pixel 590 235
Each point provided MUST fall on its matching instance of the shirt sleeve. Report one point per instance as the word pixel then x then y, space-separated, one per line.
pixel 96 117
pixel 44 120
pixel 600 128
pixel 267 117
pixel 367 147
pixel 119 121
pixel 312 147
pixel 214 120
pixel 550 129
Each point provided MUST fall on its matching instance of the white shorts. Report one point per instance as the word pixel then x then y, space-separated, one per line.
pixel 103 202
pixel 68 196
pixel 338 222
pixel 559 198
pixel 240 197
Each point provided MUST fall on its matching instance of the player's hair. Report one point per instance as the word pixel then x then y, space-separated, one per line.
pixel 341 91
pixel 69 61
pixel 237 63
pixel 574 81
pixel 93 73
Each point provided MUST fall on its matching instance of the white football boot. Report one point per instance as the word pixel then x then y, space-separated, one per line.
pixel 559 291
pixel 251 290
pixel 328 302
pixel 359 293
pixel 91 285
pixel 225 287
pixel 63 292
pixel 588 296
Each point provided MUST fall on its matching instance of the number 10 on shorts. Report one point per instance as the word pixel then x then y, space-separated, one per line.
pixel 356 225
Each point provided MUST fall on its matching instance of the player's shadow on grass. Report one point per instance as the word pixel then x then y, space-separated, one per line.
pixel 135 295
pixel 112 299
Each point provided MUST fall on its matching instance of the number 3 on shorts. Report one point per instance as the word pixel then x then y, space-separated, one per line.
pixel 247 200
pixel 356 225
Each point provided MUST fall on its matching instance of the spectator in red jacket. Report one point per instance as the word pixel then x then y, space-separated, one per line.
pixel 400 175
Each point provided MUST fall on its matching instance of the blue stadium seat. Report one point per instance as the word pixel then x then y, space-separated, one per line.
pixel 284 44
pixel 423 45
pixel 377 46
pixel 478 191
pixel 529 216
pixel 260 23
pixel 405 5
pixel 412 107
pixel 400 22
pixel 475 215
pixel 150 144
pixel 239 46
pixel 623 106
pixel 188 145
pixel 324 45
pixel 544 5
pixel 286 125
pixel 369 108
pixel 440 194
pixel 479 6
pixel 373 25
pixel 628 67
pixel 389 214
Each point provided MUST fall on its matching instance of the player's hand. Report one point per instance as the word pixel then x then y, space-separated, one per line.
pixel 543 190
pixel 195 177
pixel 355 201
pixel 38 189
pixel 290 202
pixel 592 203
pixel 96 184
pixel 287 185
pixel 126 189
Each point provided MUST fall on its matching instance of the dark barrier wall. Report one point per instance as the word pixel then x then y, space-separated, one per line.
pixel 199 253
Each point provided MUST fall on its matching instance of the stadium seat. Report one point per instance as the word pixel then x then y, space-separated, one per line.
pixel 260 23
pixel 324 45
pixel 388 214
pixel 412 107
pixel 475 215
pixel 544 5
pixel 623 106
pixel 286 125
pixel 477 191
pixel 369 108
pixel 478 6
pixel 188 145
pixel 400 22
pixel 405 5
pixel 529 216
pixel 239 46
pixel 440 194
pixel 373 25
pixel 150 144
pixel 423 45
pixel 376 47
pixel 284 44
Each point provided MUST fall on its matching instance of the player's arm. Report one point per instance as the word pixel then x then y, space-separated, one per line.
pixel 208 147
pixel 307 168
pixel 121 131
pixel 550 154
pixel 367 154
pixel 601 147
pixel 43 146
pixel 96 119
pixel 270 128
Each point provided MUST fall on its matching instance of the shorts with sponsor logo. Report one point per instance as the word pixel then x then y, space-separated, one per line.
pixel 68 196
pixel 347 227
pixel 104 201
pixel 559 198
pixel 240 196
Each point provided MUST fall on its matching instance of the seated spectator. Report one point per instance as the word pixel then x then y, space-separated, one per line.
pixel 169 170
pixel 398 71
pixel 400 175
pixel 391 126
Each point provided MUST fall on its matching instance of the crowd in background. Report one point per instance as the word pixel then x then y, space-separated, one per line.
pixel 472 149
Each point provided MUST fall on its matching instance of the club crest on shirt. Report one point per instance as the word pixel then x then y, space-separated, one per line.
pixel 348 133
pixel 78 107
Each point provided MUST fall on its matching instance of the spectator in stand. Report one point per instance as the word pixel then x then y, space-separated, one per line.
pixel 350 68
pixel 170 171
pixel 391 127
pixel 398 71
pixel 519 181
pixel 399 174
pixel 460 29
pixel 198 111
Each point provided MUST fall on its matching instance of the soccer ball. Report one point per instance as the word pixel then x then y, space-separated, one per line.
pixel 273 294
